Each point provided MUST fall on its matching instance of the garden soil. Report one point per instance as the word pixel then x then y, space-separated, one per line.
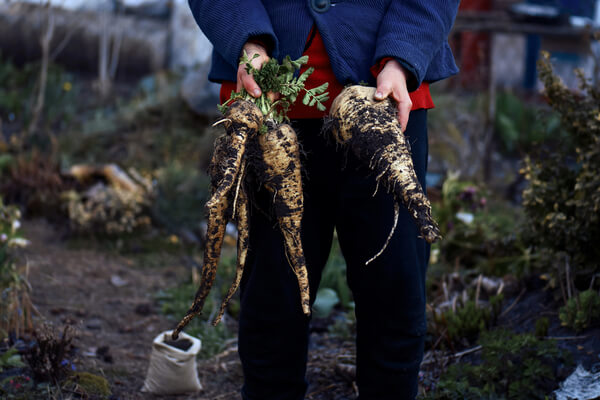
pixel 110 301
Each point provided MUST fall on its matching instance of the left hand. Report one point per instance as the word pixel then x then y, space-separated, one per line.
pixel 392 81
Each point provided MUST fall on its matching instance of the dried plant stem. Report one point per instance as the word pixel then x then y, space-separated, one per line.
pixel 45 41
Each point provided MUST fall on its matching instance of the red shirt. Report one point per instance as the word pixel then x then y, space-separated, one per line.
pixel 319 60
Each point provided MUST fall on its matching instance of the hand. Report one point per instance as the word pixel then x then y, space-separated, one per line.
pixel 392 80
pixel 246 80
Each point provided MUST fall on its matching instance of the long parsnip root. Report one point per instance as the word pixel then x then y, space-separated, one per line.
pixel 371 129
pixel 242 122
pixel 242 211
pixel 276 157
pixel 283 178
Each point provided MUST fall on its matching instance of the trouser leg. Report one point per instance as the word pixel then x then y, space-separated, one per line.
pixel 273 332
pixel 390 292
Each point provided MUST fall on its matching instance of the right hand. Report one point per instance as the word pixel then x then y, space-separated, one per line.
pixel 246 80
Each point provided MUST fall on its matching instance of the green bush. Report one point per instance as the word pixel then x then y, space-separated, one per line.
pixel 513 366
pixel 520 127
pixel 582 311
pixel 18 89
pixel 562 202
pixel 463 326
pixel 182 191
pixel 478 233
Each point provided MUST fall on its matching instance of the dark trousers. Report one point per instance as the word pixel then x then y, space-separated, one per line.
pixel 389 293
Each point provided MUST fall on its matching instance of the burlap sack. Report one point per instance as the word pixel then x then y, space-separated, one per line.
pixel 172 370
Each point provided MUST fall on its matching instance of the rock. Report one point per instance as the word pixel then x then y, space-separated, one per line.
pixel 103 353
pixel 117 281
pixel 94 323
pixel 581 385
pixel 144 309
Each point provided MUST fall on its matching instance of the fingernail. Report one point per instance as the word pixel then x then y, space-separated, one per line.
pixel 256 92
pixel 378 95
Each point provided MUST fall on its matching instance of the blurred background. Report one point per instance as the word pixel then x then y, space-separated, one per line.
pixel 105 136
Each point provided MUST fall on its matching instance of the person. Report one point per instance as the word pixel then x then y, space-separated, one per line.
pixel 399 46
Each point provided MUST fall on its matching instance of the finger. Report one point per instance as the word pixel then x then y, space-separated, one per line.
pixel 403 114
pixel 384 89
pixel 404 105
pixel 247 82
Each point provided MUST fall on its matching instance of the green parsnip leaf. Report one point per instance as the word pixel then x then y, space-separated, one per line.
pixel 280 78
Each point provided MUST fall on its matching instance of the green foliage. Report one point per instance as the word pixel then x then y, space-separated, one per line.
pixel 562 202
pixel 15 306
pixel 478 233
pixel 19 86
pixel 88 385
pixel 582 311
pixel 520 127
pixel 181 191
pixel 541 327
pixel 324 303
pixel 153 128
pixel 513 366
pixel 463 326
pixel 10 359
pixel 281 78
pixel 344 326
pixel 334 276
pixel 176 301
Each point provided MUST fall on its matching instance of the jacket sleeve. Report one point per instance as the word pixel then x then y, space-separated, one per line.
pixel 413 31
pixel 229 24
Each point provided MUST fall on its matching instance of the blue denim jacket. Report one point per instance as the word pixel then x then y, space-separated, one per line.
pixel 356 33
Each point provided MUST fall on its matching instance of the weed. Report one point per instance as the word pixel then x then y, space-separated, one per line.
pixel 33 181
pixel 175 302
pixel 541 327
pixel 18 88
pixel 15 303
pixel 344 326
pixel 10 359
pixel 581 311
pixel 520 127
pixel 464 325
pixel 181 189
pixel 49 358
pixel 478 233
pixel 513 366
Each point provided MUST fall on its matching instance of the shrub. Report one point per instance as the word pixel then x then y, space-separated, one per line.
pixel 513 366
pixel 15 304
pixel 478 233
pixel 582 311
pixel 562 202
pixel 467 322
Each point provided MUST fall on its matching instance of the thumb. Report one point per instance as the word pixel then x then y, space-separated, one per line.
pixel 383 90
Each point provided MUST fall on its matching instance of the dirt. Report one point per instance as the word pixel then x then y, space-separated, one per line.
pixel 109 300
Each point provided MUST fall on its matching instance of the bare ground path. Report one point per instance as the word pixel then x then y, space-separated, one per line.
pixel 110 303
